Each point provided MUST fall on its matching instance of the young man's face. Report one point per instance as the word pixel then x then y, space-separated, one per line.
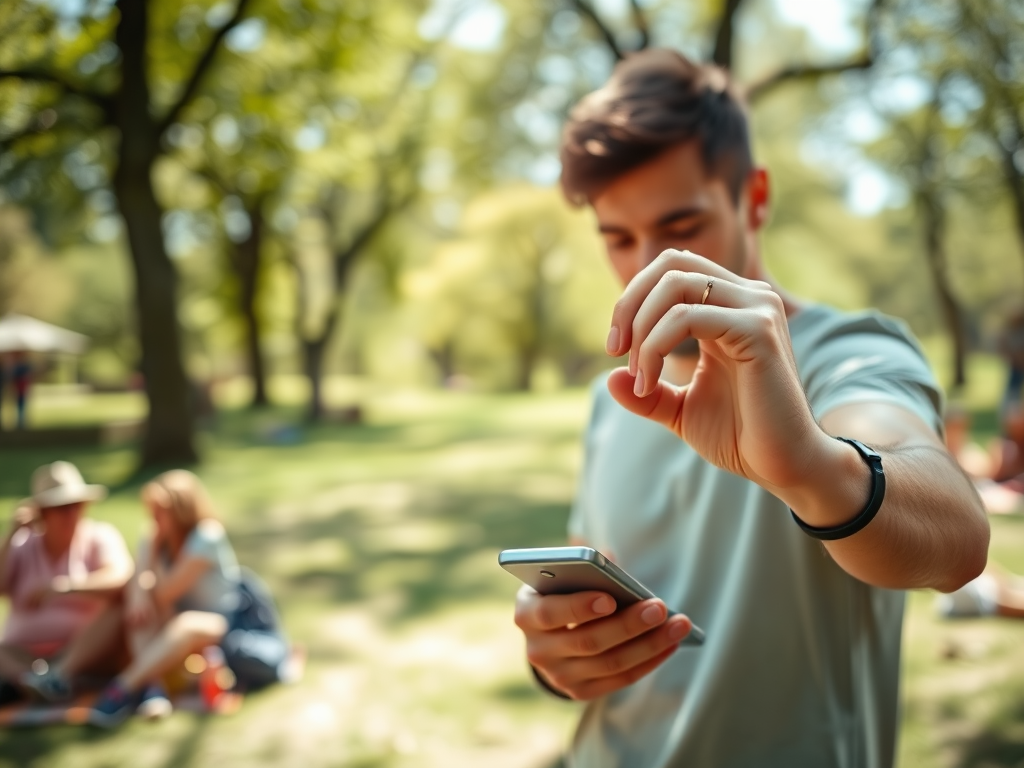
pixel 671 202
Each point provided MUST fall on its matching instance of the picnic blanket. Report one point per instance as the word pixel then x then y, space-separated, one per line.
pixel 28 714
pixel 35 714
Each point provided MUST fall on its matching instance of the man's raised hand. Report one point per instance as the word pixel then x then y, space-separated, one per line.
pixel 744 409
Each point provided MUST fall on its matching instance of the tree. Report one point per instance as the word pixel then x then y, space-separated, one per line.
pixel 517 288
pixel 127 104
pixel 353 218
pixel 991 32
pixel 723 48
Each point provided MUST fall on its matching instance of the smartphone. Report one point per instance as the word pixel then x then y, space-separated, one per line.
pixel 565 570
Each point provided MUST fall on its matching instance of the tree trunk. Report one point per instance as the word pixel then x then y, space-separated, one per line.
pixel 527 361
pixel 313 366
pixel 246 258
pixel 1014 179
pixel 722 53
pixel 934 235
pixel 314 352
pixel 444 359
pixel 169 433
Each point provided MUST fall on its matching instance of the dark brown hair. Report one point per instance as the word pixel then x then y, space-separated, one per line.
pixel 655 99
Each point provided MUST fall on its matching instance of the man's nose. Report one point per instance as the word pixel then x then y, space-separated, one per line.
pixel 648 251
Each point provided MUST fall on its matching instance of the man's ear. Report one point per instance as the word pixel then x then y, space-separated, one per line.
pixel 758 198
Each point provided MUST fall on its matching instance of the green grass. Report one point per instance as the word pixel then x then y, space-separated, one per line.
pixel 380 542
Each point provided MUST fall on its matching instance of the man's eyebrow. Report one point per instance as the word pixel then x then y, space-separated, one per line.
pixel 677 215
pixel 669 218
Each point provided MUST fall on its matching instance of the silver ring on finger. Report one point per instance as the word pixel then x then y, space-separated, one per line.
pixel 707 291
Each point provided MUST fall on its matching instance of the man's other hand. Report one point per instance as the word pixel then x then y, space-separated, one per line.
pixel 582 647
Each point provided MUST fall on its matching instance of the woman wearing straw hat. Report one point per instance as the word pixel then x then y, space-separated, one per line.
pixel 63 573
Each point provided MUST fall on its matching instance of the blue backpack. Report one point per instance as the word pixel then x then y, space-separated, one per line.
pixel 255 647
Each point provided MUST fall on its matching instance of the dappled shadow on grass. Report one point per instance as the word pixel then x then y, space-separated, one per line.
pixel 16 466
pixel 427 579
pixel 28 747
pixel 309 509
pixel 1001 743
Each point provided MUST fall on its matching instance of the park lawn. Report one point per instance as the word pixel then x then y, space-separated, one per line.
pixel 380 542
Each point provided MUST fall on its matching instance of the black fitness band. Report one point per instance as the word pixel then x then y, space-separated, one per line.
pixel 874 461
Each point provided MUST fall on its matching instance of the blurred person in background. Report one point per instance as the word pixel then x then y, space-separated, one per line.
pixel 1008 452
pixel 1011 346
pixel 982 465
pixel 182 599
pixel 789 546
pixel 21 382
pixel 972 457
pixel 64 574
pixel 3 383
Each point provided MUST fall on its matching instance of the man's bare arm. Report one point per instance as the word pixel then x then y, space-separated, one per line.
pixel 931 530
pixel 103 582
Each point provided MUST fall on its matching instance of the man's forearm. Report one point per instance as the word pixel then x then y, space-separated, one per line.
pixel 931 530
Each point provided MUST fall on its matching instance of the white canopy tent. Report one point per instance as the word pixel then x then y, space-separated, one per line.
pixel 20 333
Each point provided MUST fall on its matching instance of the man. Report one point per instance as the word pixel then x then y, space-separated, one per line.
pixel 786 545
pixel 64 574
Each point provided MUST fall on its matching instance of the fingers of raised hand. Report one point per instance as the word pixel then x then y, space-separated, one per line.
pixel 544 613
pixel 677 291
pixel 619 337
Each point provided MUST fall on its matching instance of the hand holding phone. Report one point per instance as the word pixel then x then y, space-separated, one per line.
pixel 595 632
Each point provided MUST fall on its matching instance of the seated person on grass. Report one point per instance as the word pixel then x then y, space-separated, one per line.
pixel 185 592
pixel 65 576
pixel 1008 452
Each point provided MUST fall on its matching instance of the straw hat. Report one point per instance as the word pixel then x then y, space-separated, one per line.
pixel 60 483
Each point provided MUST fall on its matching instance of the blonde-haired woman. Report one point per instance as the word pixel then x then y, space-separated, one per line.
pixel 181 599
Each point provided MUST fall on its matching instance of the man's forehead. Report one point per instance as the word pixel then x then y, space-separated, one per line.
pixel 655 207
pixel 666 187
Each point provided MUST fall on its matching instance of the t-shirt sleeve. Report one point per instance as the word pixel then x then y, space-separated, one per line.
pixel 109 548
pixel 206 541
pixel 873 360
pixel 578 511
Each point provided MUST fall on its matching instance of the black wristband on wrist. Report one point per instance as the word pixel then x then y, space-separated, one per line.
pixel 547 686
pixel 874 461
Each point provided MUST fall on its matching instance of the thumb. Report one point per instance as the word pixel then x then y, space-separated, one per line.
pixel 664 405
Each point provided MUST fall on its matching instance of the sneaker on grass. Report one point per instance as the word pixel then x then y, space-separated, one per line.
pixel 154 704
pixel 113 707
pixel 9 693
pixel 50 686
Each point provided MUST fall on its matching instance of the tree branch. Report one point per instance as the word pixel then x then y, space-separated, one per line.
pixel 816 71
pixel 722 54
pixel 201 67
pixel 805 72
pixel 49 78
pixel 32 130
pixel 588 10
pixel 343 258
pixel 641 24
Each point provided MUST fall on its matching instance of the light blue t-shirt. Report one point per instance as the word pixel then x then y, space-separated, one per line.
pixel 801 664
pixel 216 590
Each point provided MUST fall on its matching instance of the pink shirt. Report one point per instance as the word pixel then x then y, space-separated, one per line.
pixel 46 629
